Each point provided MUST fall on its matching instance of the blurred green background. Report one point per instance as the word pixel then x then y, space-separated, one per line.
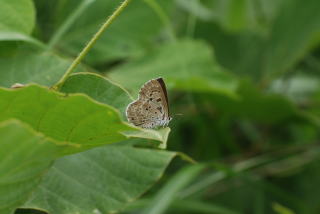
pixel 243 81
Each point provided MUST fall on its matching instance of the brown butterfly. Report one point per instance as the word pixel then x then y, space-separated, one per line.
pixel 151 109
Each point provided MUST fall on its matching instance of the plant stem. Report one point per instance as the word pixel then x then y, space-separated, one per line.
pixel 68 23
pixel 90 44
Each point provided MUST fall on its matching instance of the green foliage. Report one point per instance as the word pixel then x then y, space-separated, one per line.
pixel 182 69
pixel 17 16
pixel 21 171
pixel 100 180
pixel 242 79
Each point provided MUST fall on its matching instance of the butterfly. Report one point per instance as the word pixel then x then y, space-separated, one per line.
pixel 151 109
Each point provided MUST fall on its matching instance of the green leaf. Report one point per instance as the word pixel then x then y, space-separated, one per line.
pixel 24 155
pixel 43 68
pixel 130 35
pixel 102 180
pixel 259 106
pixel 107 92
pixel 98 88
pixel 69 118
pixel 17 16
pixel 168 193
pixel 288 44
pixel 181 68
pixel 14 36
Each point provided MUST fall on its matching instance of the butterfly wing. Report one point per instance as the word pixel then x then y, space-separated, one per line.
pixel 151 108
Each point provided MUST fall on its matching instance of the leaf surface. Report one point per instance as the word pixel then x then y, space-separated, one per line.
pixel 130 35
pixel 24 155
pixel 43 68
pixel 17 16
pixel 102 180
pixel 185 65
pixel 68 118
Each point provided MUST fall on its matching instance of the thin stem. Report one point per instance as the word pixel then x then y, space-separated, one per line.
pixel 93 40
pixel 68 23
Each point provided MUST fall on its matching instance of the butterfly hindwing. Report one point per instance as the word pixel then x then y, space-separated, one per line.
pixel 151 108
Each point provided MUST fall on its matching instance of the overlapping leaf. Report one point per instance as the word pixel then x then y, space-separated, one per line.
pixel 17 16
pixel 102 180
pixel 98 88
pixel 69 118
pixel 24 155
pixel 43 68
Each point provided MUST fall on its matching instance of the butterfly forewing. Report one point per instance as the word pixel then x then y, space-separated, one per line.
pixel 151 109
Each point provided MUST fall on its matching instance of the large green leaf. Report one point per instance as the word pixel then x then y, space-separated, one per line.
pixel 44 68
pixel 132 32
pixel 14 36
pixel 24 155
pixel 186 65
pixel 98 88
pixel 102 180
pixel 17 16
pixel 69 118
pixel 105 91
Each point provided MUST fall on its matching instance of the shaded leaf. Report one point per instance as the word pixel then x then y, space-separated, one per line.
pixel 167 194
pixel 14 36
pixel 130 35
pixel 43 68
pixel 258 106
pixel 102 180
pixel 25 155
pixel 98 88
pixel 272 53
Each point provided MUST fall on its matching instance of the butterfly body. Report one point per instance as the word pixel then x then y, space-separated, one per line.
pixel 151 109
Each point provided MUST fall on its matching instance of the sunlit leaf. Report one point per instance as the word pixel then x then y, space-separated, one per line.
pixel 17 16
pixel 68 118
